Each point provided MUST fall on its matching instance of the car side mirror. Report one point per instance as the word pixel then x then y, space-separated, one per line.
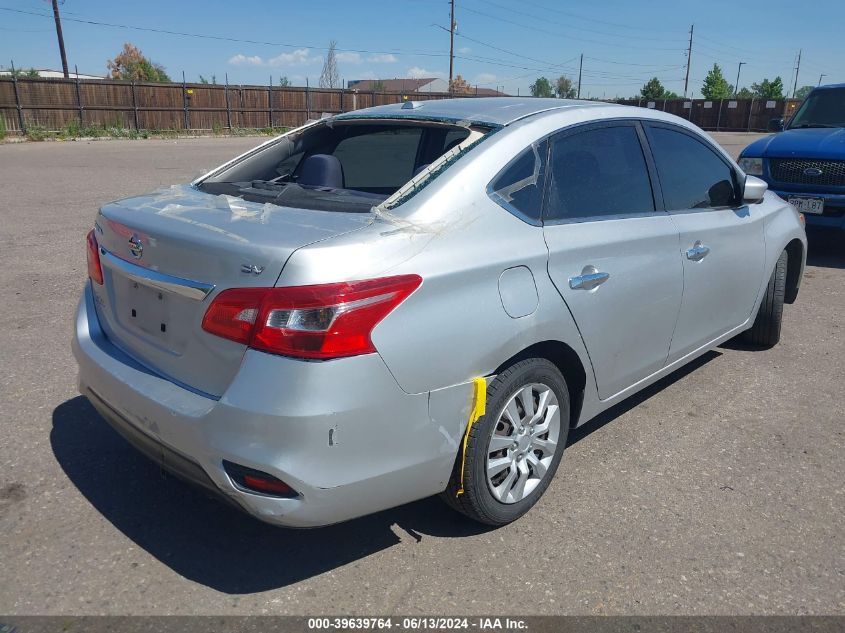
pixel 753 190
pixel 776 125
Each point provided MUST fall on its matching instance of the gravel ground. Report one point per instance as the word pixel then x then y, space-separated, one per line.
pixel 720 490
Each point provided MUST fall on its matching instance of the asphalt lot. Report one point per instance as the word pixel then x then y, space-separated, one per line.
pixel 720 490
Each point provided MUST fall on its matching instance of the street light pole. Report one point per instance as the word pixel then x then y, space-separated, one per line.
pixel 822 76
pixel 736 85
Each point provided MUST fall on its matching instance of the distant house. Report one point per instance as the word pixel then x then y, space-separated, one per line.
pixel 419 85
pixel 48 73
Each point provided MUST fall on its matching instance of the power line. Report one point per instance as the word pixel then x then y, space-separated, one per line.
pixel 229 39
pixel 548 20
pixel 586 19
pixel 569 37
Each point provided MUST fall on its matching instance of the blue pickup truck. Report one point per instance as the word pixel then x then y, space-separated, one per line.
pixel 805 162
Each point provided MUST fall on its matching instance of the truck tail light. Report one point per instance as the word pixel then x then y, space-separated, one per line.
pixel 318 322
pixel 95 270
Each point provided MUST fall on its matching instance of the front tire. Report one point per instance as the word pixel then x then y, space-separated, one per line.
pixel 514 449
pixel 765 332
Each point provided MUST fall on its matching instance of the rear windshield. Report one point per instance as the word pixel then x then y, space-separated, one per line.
pixel 823 108
pixel 348 166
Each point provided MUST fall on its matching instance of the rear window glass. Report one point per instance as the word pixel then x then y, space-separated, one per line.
pixel 379 161
pixel 339 165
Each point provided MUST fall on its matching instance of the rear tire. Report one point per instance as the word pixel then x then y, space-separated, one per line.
pixel 765 332
pixel 522 448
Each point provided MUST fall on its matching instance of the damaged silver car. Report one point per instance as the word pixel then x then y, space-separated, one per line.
pixel 422 298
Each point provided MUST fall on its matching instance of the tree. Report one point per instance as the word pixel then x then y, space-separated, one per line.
pixel 769 89
pixel 378 86
pixel 564 88
pixel 745 93
pixel 330 77
pixel 284 82
pixel 213 81
pixel 25 72
pixel 459 86
pixel 715 85
pixel 653 89
pixel 803 91
pixel 541 88
pixel 131 64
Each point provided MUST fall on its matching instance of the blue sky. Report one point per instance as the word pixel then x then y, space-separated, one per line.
pixel 498 43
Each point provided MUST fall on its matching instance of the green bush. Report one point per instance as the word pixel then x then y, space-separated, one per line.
pixel 2 127
pixel 36 132
pixel 71 129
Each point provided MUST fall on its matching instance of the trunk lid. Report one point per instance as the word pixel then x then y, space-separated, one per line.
pixel 166 255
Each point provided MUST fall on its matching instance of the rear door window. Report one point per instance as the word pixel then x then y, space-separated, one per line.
pixel 692 176
pixel 519 187
pixel 380 162
pixel 596 173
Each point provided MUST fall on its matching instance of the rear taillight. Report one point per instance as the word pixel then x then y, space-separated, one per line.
pixel 322 321
pixel 95 271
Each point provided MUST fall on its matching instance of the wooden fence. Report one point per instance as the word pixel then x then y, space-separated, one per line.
pixel 54 104
pixel 724 115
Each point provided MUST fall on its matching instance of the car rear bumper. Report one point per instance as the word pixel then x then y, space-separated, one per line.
pixel 341 433
pixel 834 213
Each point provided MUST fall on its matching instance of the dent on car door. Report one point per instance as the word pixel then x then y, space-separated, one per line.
pixel 612 255
pixel 721 240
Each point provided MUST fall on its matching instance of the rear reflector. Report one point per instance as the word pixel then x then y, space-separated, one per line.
pixel 257 481
pixel 319 322
pixel 95 270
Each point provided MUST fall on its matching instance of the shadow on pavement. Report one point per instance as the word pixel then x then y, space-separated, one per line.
pixel 218 546
pixel 576 435
pixel 207 541
pixel 825 248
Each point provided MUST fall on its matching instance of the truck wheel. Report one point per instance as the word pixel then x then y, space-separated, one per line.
pixel 765 332
pixel 514 449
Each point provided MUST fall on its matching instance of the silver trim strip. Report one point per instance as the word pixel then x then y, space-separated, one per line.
pixel 191 289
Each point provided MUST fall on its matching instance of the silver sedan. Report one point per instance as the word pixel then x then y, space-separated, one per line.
pixel 422 298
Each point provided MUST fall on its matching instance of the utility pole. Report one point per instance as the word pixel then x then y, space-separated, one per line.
pixel 689 59
pixel 61 37
pixel 797 68
pixel 822 76
pixel 580 68
pixel 736 85
pixel 451 44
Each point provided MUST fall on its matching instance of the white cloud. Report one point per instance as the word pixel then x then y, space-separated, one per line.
pixel 348 57
pixel 463 49
pixel 382 58
pixel 484 78
pixel 238 59
pixel 298 57
pixel 415 72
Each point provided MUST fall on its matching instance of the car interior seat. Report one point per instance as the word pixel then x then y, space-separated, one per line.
pixel 321 170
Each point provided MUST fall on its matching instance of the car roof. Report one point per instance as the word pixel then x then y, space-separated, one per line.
pixel 828 86
pixel 496 111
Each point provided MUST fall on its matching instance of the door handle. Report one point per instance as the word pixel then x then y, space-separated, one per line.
pixel 698 252
pixel 589 279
